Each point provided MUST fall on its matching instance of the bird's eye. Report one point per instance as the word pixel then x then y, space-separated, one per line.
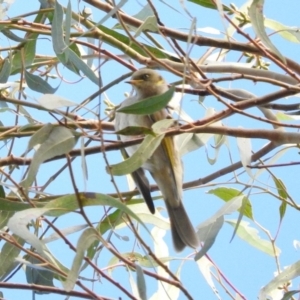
pixel 145 76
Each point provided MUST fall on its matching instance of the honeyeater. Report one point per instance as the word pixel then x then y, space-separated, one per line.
pixel 164 165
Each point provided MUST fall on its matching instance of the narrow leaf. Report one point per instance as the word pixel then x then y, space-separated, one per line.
pixel 257 21
pixel 60 141
pixel 8 255
pixel 207 234
pixel 227 194
pixel 57 32
pixel 286 275
pixel 150 105
pixel 85 240
pixel 50 101
pixel 36 83
pixel 141 283
pixel 250 235
pixel 5 71
pixel 81 65
pixel 146 149
pixel 68 23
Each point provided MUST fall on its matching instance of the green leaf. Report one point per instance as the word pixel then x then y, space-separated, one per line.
pixel 25 56
pixel 36 83
pixel 18 225
pixel 59 141
pixel 227 194
pixel 73 58
pixel 156 52
pixel 5 71
pixel 281 189
pixel 250 235
pixel 57 31
pixel 135 130
pixel 150 105
pixel 2 192
pixel 40 136
pixel 38 275
pixel 50 101
pixel 286 275
pixel 141 283
pixel 150 24
pixel 289 33
pixel 207 233
pixel 68 23
pixel 85 240
pixel 69 203
pixel 13 36
pixel 209 4
pixel 5 215
pixel 8 255
pixel 288 295
pixel 146 149
pixel 205 3
pixel 257 21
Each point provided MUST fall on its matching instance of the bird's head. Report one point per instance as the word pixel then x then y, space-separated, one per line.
pixel 148 83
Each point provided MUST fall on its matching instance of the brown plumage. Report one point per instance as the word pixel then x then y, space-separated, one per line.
pixel 164 165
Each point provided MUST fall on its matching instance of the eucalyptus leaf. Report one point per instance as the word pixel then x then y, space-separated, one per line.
pixel 257 21
pixel 5 71
pixel 208 234
pixel 150 105
pixel 250 235
pixel 85 240
pixel 286 275
pixel 38 276
pixel 36 83
pixel 59 141
pixel 8 255
pixel 57 31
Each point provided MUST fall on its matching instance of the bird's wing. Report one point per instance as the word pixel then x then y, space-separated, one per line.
pixel 171 155
pixel 141 183
pixel 143 186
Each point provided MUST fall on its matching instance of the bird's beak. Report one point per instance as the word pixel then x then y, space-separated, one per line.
pixel 134 82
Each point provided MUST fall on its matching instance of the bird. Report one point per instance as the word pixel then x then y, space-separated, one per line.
pixel 165 165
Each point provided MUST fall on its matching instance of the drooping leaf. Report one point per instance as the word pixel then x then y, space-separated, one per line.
pixel 8 255
pixel 25 56
pixel 18 225
pixel 38 84
pixel 207 233
pixel 282 192
pixel 257 21
pixel 141 282
pixel 81 65
pixel 291 34
pixel 5 71
pixel 245 150
pixel 38 275
pixel 59 141
pixel 288 295
pixel 145 150
pixel 227 194
pixel 54 101
pixel 286 275
pixel 57 31
pixel 85 240
pixel 68 23
pixel 250 235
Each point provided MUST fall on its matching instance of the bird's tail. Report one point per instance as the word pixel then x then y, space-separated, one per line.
pixel 183 232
